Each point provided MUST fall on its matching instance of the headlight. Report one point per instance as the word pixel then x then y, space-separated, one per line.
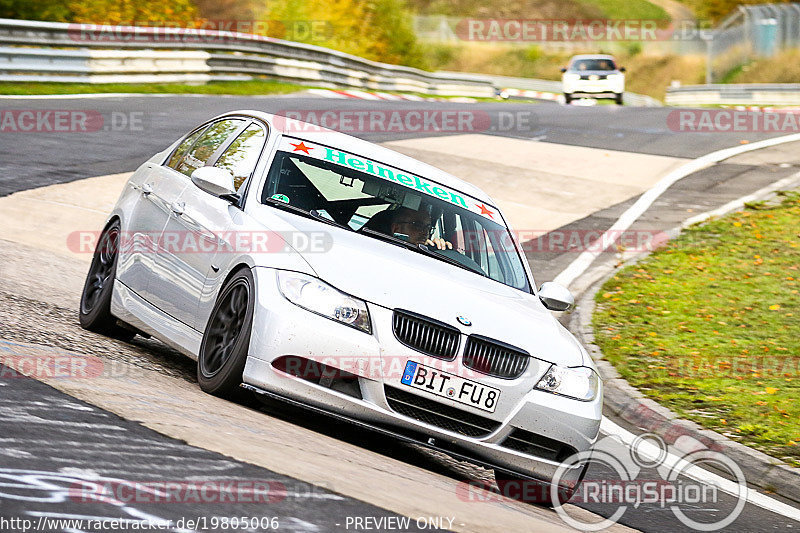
pixel 615 77
pixel 571 77
pixel 581 383
pixel 318 297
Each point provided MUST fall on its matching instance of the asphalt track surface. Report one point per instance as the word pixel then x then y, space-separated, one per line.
pixel 81 462
pixel 29 160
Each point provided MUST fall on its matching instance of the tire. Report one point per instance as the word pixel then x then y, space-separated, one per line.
pixel 567 98
pixel 618 98
pixel 531 491
pixel 94 313
pixel 223 352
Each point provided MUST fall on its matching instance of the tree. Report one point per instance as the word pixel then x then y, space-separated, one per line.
pixel 174 13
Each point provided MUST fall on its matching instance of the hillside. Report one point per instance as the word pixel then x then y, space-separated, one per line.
pixel 646 74
pixel 716 10
pixel 540 9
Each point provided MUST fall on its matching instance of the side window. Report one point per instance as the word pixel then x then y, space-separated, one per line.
pixel 474 245
pixel 480 246
pixel 207 144
pixel 183 148
pixel 242 155
pixel 497 245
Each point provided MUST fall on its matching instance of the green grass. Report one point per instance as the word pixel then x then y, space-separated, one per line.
pixel 629 9
pixel 253 87
pixel 708 326
pixel 243 88
pixel 784 67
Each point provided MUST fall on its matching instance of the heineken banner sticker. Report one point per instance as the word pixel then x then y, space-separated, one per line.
pixel 390 174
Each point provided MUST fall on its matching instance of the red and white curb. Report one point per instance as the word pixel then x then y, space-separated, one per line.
pixel 760 109
pixel 524 93
pixel 364 95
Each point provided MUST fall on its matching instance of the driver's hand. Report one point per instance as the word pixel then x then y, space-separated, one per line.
pixel 440 243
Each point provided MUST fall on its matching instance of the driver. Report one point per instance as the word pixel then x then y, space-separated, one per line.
pixel 417 225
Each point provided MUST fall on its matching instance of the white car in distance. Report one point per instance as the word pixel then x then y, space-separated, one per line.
pixel 593 76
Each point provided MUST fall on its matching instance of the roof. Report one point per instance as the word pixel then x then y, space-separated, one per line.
pixel 370 150
pixel 592 56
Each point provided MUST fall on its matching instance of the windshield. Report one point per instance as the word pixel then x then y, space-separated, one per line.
pixel 593 64
pixel 382 202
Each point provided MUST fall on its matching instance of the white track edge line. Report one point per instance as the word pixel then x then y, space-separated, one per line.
pixel 653 452
pixel 581 263
pixel 576 268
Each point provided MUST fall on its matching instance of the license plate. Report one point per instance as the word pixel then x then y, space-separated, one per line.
pixel 446 385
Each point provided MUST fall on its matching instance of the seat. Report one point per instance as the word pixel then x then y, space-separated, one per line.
pixel 381 221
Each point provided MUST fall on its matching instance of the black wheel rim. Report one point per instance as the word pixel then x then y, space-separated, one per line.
pixel 225 328
pixel 101 270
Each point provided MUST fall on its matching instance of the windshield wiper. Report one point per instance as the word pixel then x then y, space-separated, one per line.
pixel 313 214
pixel 419 248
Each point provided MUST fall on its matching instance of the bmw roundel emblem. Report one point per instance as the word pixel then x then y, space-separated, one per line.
pixel 464 321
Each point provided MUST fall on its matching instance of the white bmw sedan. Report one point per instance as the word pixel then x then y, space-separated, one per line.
pixel 320 269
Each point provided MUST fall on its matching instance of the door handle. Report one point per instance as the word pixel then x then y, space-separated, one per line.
pixel 178 208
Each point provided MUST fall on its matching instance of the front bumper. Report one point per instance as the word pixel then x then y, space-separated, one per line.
pixel 280 329
pixel 593 87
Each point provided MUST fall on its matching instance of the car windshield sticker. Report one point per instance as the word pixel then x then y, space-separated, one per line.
pixel 281 198
pixel 300 147
pixel 390 174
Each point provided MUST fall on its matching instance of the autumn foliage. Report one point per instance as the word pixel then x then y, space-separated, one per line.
pixel 375 29
pixel 174 12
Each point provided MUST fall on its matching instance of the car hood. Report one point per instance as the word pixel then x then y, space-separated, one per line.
pixel 394 277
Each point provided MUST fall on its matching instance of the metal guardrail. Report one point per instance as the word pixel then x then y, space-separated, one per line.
pixel 756 94
pixel 74 52
pixel 103 66
pixel 53 51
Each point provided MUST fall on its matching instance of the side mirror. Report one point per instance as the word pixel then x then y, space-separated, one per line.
pixel 214 180
pixel 563 70
pixel 622 69
pixel 556 297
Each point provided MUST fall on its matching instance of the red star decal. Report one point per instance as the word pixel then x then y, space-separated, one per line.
pixel 301 147
pixel 485 210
